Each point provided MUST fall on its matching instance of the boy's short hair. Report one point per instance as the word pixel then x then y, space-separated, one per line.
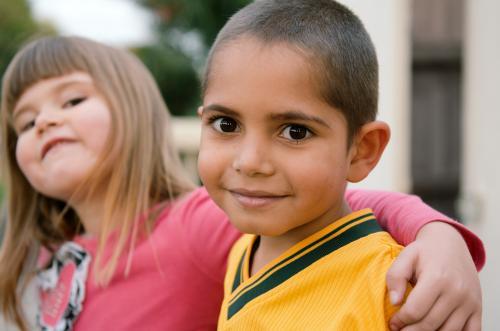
pixel 330 36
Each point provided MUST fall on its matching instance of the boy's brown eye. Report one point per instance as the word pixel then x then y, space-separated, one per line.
pixel 296 132
pixel 228 125
pixel 225 124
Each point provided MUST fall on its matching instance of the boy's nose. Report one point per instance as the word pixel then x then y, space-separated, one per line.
pixel 253 159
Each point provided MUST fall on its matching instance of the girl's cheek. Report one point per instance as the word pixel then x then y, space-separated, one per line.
pixel 23 154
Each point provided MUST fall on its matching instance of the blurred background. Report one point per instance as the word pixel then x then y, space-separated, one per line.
pixel 439 82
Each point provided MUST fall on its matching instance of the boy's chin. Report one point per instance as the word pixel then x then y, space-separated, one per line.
pixel 257 229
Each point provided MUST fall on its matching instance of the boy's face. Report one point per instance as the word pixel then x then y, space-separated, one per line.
pixel 273 154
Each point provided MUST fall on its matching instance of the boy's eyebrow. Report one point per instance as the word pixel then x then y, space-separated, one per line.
pixel 221 108
pixel 294 115
pixel 291 115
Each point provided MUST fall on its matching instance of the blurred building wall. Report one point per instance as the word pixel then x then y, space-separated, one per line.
pixel 481 178
pixel 436 112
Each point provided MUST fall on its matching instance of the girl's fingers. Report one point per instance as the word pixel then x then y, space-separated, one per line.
pixel 400 274
pixel 474 323
pixel 456 321
pixel 419 303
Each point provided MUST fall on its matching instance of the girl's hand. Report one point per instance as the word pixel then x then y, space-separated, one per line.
pixel 447 293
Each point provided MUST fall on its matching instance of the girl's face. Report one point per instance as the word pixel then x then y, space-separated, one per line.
pixel 62 125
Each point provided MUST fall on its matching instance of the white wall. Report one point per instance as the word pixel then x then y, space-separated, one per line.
pixel 388 23
pixel 481 154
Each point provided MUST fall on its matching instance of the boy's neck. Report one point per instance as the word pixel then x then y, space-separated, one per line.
pixel 270 247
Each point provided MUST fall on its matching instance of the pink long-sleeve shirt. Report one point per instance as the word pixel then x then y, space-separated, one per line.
pixel 176 278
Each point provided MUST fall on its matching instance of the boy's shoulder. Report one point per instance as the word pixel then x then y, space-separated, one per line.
pixel 377 249
pixel 353 243
pixel 374 249
pixel 326 276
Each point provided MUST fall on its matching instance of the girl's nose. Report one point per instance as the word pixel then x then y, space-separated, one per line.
pixel 252 158
pixel 46 119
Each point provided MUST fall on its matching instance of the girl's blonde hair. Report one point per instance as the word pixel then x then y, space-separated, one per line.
pixel 139 167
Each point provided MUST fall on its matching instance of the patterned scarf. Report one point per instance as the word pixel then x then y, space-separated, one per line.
pixel 62 288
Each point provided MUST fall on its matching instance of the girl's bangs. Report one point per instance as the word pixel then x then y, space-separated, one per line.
pixel 43 59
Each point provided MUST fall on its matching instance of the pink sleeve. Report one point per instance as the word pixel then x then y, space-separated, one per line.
pixel 403 215
pixel 208 233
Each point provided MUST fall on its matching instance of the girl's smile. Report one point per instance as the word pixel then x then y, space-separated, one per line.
pixel 54 144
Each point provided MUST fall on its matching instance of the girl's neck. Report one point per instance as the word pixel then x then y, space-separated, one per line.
pixel 91 214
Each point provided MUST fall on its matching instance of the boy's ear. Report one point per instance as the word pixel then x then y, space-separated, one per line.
pixel 366 149
pixel 199 111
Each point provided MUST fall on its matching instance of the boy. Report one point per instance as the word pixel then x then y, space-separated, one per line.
pixel 290 100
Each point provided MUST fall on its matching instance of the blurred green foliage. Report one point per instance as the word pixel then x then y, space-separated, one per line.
pixel 175 75
pixel 16 26
pixel 176 67
pixel 204 16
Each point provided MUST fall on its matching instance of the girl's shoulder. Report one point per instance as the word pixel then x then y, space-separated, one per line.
pixel 193 208
pixel 201 229
pixel 198 219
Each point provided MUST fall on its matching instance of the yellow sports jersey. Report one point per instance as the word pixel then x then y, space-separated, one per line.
pixel 332 280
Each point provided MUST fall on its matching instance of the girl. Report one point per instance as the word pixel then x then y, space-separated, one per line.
pixel 93 179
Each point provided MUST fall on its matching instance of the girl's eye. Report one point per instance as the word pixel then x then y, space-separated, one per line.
pixel 225 125
pixel 73 102
pixel 28 125
pixel 296 132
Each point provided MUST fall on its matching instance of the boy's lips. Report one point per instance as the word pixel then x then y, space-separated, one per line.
pixel 255 198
